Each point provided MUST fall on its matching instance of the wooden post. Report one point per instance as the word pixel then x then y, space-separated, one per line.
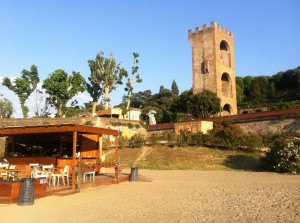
pixel 116 149
pixel 100 147
pixel 60 150
pixel 116 158
pixel 74 159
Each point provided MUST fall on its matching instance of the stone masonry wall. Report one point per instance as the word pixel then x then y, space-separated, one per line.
pixel 209 63
pixel 272 127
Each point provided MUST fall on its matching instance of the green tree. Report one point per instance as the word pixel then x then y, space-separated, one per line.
pixel 260 90
pixel 134 78
pixel 95 87
pixel 164 98
pixel 42 108
pixel 247 85
pixel 272 93
pixel 181 104
pixel 204 104
pixel 6 108
pixel 61 88
pixel 174 88
pixel 23 86
pixel 106 73
pixel 89 105
pixel 287 85
pixel 239 90
pixel 141 98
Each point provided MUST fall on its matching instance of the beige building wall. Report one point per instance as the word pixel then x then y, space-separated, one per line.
pixel 194 127
pixel 213 64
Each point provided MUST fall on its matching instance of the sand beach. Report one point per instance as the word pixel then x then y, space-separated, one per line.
pixel 173 196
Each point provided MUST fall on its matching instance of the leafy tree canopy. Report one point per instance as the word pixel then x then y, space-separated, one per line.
pixel 133 79
pixel 6 108
pixel 23 86
pixel 204 104
pixel 61 88
pixel 282 87
pixel 174 88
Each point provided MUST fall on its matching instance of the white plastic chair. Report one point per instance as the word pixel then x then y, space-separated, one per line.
pixel 36 173
pixel 47 167
pixel 62 174
pixel 33 165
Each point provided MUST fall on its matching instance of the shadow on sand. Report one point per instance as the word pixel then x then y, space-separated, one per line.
pixel 242 162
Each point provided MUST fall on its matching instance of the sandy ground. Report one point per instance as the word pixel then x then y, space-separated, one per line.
pixel 173 196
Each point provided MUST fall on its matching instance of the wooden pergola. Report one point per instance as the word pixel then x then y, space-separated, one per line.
pixel 69 129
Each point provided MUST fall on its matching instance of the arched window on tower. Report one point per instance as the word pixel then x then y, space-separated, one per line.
pixel 226 85
pixel 225 53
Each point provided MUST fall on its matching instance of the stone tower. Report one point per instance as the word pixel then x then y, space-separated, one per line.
pixel 213 64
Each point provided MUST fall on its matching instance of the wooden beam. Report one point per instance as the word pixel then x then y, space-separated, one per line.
pixel 56 129
pixel 74 159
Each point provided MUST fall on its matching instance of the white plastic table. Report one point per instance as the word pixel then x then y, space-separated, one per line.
pixel 90 173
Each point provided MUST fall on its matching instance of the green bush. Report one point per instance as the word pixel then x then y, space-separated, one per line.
pixel 115 124
pixel 90 123
pixel 197 139
pixel 153 139
pixel 123 142
pixel 184 138
pixel 106 143
pixel 137 141
pixel 130 125
pixel 169 137
pixel 251 142
pixel 284 155
pixel 226 135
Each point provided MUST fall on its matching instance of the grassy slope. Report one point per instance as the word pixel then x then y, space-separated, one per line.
pixel 198 158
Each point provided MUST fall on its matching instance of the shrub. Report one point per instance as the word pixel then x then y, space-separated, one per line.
pixel 184 138
pixel 137 141
pixel 197 139
pixel 251 142
pixel 284 155
pixel 170 138
pixel 115 123
pixel 130 125
pixel 106 143
pixel 123 142
pixel 90 123
pixel 153 139
pixel 227 135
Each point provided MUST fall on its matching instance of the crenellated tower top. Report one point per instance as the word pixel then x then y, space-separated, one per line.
pixel 213 25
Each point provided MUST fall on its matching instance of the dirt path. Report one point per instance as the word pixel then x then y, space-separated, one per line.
pixel 144 153
pixel 173 196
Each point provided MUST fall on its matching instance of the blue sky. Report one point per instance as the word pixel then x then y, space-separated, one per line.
pixel 61 34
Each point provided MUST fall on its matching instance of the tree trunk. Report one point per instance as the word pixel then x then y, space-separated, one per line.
pixel 24 110
pixel 128 102
pixel 94 105
pixel 106 91
pixel 59 111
